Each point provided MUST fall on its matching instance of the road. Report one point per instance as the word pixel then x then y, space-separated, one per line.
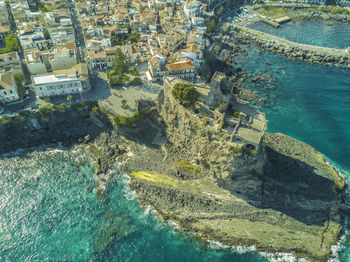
pixel 78 32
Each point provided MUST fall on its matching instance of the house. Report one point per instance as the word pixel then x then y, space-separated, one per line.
pixel 8 88
pixel 193 8
pixel 157 68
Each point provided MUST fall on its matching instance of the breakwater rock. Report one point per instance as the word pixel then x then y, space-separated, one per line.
pixel 308 53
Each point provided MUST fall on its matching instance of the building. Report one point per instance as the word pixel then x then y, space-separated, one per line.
pixel 157 68
pixel 8 88
pixel 193 8
pixel 63 82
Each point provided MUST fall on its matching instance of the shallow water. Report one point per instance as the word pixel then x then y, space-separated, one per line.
pixel 312 32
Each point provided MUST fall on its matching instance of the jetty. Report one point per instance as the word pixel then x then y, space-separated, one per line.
pixel 309 53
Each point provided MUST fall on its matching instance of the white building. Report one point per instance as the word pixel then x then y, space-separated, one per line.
pixel 193 8
pixel 8 88
pixel 54 85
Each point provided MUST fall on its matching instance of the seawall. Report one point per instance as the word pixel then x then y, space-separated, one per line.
pixel 308 53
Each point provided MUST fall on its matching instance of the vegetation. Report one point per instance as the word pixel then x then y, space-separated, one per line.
pixel 69 98
pixel 19 78
pixel 211 25
pixel 123 39
pixel 11 44
pixel 156 178
pixel 185 93
pixel 125 78
pixel 240 151
pixel 124 121
pixel 134 72
pixel 136 81
pixel 117 121
pixel 43 8
pixel 124 103
pixel 185 165
pixel 46 34
pixel 221 105
pixel 120 67
pixel 235 113
pixel 336 10
pixel 268 10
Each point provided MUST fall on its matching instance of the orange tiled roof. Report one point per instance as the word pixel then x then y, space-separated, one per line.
pixel 179 65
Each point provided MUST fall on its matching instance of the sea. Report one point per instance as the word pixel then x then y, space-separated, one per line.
pixel 50 212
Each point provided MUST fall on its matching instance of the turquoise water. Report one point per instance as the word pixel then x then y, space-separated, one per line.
pixel 307 101
pixel 312 32
pixel 49 212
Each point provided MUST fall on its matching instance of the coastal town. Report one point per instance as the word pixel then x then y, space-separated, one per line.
pixel 73 51
pixel 155 90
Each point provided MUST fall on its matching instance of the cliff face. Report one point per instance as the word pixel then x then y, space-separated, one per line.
pixel 283 199
pixel 49 125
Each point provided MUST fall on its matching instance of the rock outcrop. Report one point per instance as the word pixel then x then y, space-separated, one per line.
pixel 286 198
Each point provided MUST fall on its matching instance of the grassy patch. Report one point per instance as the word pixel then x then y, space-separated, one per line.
pixel 185 165
pixel 272 11
pixel 155 178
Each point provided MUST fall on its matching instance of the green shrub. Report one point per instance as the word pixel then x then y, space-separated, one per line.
pixel 235 113
pixel 136 81
pixel 185 93
pixel 134 71
pixel 125 78
pixel 221 105
pixel 11 44
pixel 124 121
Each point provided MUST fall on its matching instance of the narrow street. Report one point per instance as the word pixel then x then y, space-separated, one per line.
pixel 78 32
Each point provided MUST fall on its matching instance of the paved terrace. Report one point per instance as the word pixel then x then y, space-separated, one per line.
pixel 316 54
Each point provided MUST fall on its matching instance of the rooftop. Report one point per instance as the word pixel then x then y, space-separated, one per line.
pixel 47 79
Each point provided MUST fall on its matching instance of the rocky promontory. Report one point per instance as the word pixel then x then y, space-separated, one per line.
pixel 286 198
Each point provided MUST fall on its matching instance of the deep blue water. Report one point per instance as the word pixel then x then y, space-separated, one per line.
pixel 312 32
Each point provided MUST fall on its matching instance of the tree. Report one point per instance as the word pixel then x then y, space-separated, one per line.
pixel 11 44
pixel 47 99
pixel 185 93
pixel 211 24
pixel 19 78
pixel 46 34
pixel 69 98
pixel 124 103
pixel 120 66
